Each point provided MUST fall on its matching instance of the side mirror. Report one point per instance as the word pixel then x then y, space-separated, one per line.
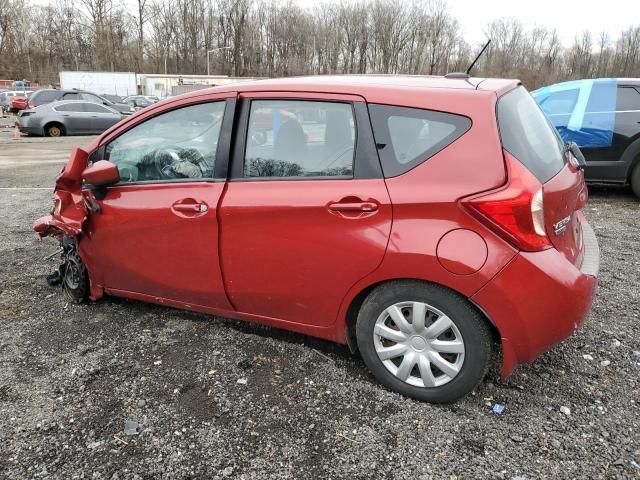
pixel 101 173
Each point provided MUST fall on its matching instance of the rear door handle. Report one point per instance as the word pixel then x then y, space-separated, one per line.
pixel 353 207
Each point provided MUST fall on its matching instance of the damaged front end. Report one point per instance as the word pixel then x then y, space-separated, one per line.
pixel 71 273
pixel 65 222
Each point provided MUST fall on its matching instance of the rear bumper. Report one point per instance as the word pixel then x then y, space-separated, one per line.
pixel 540 299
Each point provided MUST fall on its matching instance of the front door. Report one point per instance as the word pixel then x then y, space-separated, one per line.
pixel 306 213
pixel 156 234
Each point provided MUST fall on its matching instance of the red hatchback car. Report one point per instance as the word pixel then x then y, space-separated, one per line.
pixel 419 220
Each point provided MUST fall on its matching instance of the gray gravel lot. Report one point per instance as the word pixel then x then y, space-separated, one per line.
pixel 71 376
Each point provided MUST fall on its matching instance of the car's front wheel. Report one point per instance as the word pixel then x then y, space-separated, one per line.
pixel 423 340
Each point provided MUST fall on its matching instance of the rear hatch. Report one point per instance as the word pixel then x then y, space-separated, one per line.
pixel 529 137
pixel 539 208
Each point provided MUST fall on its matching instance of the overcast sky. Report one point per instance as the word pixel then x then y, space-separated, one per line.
pixel 569 17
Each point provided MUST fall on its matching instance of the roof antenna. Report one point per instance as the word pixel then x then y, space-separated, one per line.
pixel 478 57
pixel 468 71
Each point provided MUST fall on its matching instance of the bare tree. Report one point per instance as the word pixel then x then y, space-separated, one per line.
pixel 278 37
pixel 143 16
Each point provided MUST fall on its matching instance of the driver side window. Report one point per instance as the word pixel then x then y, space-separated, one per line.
pixel 174 145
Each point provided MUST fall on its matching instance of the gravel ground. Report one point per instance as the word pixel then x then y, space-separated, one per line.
pixel 121 389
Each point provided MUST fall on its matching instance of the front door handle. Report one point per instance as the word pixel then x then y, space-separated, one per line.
pixel 191 207
pixel 353 207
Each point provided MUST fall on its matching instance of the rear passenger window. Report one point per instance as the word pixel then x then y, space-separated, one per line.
pixel 628 99
pixel 290 138
pixel 406 137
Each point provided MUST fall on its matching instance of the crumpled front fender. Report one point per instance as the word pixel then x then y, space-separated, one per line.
pixel 69 210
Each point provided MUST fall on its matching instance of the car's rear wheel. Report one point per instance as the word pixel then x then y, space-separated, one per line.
pixel 423 340
pixel 55 130
pixel 635 180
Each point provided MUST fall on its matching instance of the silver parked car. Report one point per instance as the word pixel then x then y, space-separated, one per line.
pixel 68 117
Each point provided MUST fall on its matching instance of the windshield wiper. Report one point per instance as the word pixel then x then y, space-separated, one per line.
pixel 573 148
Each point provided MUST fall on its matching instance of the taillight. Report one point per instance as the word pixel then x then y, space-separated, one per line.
pixel 537 212
pixel 516 212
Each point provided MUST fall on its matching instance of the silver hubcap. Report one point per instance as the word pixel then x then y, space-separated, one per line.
pixel 419 344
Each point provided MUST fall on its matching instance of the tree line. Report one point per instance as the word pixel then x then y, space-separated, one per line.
pixel 266 38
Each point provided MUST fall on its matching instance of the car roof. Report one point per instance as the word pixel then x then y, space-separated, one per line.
pixel 57 103
pixel 629 81
pixel 358 84
pixel 619 80
pixel 66 90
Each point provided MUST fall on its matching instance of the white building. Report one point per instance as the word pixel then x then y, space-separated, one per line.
pixel 161 85
pixel 114 83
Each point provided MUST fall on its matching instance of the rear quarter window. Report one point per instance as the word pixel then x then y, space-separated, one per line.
pixel 528 136
pixel 628 99
pixel 406 137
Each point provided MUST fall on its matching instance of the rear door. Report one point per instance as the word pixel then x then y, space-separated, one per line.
pixel 530 138
pixel 306 213
pixel 74 117
pixel 156 235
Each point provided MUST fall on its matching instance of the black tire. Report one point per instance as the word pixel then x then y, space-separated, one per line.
pixel 469 322
pixel 75 279
pixel 54 130
pixel 635 180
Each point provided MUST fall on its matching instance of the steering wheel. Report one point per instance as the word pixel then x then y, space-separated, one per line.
pixel 169 155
